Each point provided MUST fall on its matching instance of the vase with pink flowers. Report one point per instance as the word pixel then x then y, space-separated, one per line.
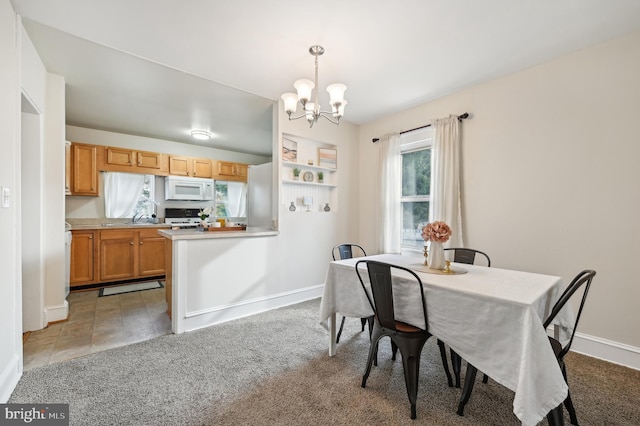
pixel 436 233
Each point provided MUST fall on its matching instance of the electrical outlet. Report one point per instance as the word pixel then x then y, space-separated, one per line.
pixel 6 198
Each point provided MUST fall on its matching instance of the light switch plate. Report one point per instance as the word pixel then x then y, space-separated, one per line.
pixel 6 198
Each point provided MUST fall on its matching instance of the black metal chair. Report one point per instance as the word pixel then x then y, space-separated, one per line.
pixel 466 256
pixel 346 251
pixel 583 278
pixel 406 337
pixel 554 417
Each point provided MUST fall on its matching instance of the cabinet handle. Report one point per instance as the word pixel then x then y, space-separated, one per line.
pixel 91 237
pixel 131 242
pixel 140 242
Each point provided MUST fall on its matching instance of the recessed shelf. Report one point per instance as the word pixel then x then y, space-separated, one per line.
pixel 299 182
pixel 302 166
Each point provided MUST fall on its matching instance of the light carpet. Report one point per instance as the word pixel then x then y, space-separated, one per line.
pixel 273 369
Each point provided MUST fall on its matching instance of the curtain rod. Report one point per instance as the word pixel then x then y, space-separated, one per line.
pixel 460 117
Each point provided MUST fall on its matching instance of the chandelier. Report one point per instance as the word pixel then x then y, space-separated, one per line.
pixel 312 110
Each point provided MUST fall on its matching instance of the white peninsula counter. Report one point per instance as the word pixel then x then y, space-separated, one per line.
pixel 217 276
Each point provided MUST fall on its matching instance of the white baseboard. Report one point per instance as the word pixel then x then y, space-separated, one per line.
pixel 9 377
pixel 219 314
pixel 56 313
pixel 607 350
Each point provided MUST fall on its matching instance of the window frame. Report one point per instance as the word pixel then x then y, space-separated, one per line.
pixel 411 142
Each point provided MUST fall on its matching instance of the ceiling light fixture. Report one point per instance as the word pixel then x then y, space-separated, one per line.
pixel 201 135
pixel 312 110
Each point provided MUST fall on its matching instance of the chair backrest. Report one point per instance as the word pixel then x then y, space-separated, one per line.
pixel 467 255
pixel 382 290
pixel 584 278
pixel 346 251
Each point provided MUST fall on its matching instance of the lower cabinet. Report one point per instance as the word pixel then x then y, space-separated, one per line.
pixel 151 253
pixel 83 257
pixel 116 255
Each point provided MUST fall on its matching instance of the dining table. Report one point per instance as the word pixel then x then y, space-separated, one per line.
pixel 491 317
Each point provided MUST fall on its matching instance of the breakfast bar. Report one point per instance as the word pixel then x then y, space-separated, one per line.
pixel 217 276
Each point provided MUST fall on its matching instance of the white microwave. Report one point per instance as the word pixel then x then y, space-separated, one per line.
pixel 188 189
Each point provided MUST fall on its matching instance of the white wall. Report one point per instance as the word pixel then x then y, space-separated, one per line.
pixel 56 307
pixel 309 237
pixel 10 249
pixel 550 179
pixel 33 317
pixel 80 207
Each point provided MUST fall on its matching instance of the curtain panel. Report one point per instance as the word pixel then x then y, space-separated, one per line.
pixel 390 172
pixel 121 192
pixel 445 177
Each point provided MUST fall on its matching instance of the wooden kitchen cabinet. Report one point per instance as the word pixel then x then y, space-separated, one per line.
pixel 227 170
pixel 118 254
pixel 132 161
pixel 84 170
pixel 151 253
pixel 190 166
pixel 83 248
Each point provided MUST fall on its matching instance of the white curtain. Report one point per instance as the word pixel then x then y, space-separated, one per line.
pixel 237 197
pixel 121 193
pixel 390 172
pixel 445 177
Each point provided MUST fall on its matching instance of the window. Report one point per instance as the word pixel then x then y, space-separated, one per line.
pixel 416 182
pixel 231 199
pixel 146 200
pixel 129 195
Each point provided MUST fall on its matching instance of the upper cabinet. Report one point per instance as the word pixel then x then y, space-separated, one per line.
pixel 84 170
pixel 225 170
pixel 83 161
pixel 132 161
pixel 190 166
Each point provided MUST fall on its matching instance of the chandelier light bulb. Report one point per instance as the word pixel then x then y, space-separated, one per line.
pixel 304 88
pixel 290 102
pixel 336 93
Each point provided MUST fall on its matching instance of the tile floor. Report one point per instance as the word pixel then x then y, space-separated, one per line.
pixel 99 323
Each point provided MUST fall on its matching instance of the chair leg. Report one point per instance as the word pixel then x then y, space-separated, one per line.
pixel 485 379
pixel 445 363
pixel 469 380
pixel 411 366
pixel 456 362
pixel 554 417
pixel 373 350
pixel 340 330
pixel 363 321
pixel 567 402
pixel 394 350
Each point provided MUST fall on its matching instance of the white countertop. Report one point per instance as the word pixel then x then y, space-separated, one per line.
pixel 188 234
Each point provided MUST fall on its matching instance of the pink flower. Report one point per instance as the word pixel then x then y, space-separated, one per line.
pixel 436 231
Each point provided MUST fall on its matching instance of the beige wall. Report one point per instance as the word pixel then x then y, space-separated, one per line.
pixel 550 176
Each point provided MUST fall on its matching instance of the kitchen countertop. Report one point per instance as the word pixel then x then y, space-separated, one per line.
pixel 109 225
pixel 188 234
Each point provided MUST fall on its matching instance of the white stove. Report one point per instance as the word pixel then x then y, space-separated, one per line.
pixel 182 218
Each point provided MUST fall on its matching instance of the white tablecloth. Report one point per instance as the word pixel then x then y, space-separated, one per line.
pixel 491 317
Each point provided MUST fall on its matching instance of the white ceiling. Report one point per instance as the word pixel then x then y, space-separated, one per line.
pixel 391 55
